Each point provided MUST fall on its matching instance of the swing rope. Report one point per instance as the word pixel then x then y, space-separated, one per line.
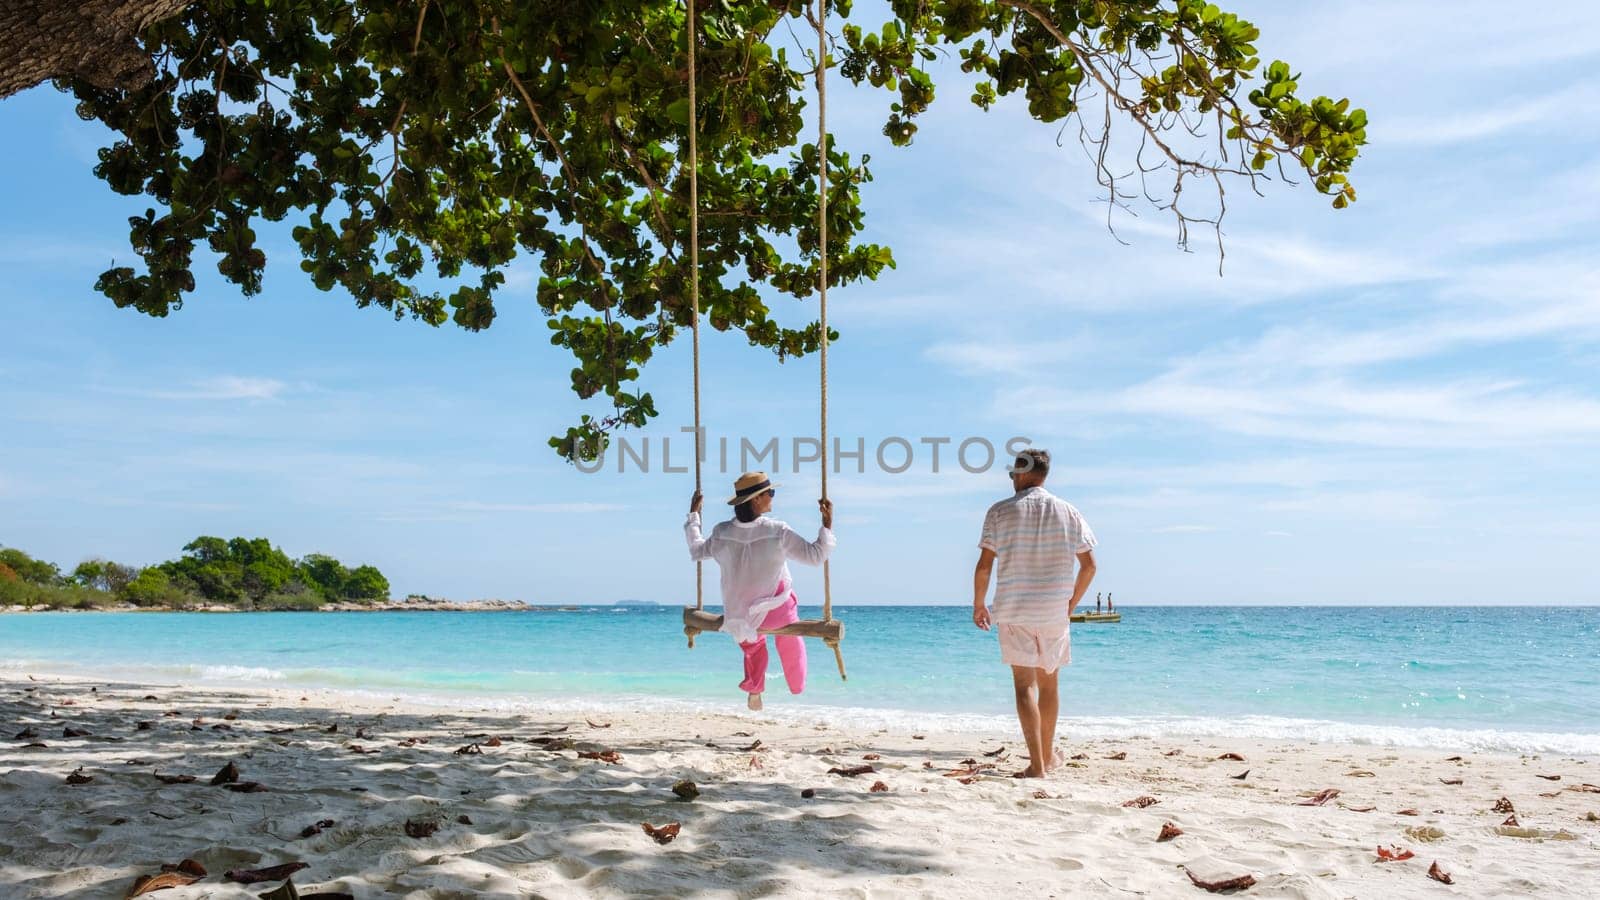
pixel 820 14
pixel 694 293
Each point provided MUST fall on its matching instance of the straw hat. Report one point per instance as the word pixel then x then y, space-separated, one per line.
pixel 749 486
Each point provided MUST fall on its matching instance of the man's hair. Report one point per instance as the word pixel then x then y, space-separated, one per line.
pixel 1033 461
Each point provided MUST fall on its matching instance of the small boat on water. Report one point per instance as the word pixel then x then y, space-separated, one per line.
pixel 1096 617
pixel 1109 616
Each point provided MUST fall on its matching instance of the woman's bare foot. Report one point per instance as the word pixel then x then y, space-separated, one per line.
pixel 754 702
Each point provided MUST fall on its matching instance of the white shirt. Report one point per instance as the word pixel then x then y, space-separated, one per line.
pixel 753 559
pixel 1036 537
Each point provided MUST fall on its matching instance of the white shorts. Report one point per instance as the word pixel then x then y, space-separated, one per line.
pixel 1047 647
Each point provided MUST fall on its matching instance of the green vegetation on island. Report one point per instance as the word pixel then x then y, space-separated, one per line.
pixel 242 573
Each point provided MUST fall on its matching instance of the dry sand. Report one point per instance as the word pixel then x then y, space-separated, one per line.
pixel 518 819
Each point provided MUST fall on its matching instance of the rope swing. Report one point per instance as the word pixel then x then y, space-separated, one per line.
pixel 696 620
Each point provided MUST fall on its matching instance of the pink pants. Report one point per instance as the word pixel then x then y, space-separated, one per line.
pixel 791 652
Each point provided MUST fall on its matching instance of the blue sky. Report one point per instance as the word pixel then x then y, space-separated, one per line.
pixel 1397 403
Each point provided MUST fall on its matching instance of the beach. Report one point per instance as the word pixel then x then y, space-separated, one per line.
pixel 455 800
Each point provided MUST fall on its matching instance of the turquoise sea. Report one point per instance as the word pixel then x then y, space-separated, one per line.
pixel 1510 679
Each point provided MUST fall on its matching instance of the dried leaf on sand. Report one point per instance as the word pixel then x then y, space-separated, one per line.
pixel 77 777
pixel 686 790
pixel 1394 853
pixel 1142 802
pixel 995 752
pixel 1241 776
pixel 176 779
pixel 316 829
pixel 1319 798
pixel 1503 805
pixel 851 771
pixel 663 834
pixel 421 828
pixel 248 787
pixel 1438 874
pixel 228 774
pixel 1168 832
pixel 879 787
pixel 1119 755
pixel 966 772
pixel 1233 756
pixel 148 883
pixel 270 873
pixel 605 756
pixel 1221 885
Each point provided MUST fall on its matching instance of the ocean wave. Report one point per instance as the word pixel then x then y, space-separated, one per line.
pixel 512 698
pixel 1267 728
pixel 237 673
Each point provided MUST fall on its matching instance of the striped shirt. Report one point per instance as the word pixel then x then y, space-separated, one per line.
pixel 1037 537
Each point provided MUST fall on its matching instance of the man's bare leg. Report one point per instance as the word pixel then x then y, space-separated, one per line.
pixel 1049 709
pixel 1024 680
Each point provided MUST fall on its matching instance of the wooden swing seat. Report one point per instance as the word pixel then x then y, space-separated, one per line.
pixel 831 630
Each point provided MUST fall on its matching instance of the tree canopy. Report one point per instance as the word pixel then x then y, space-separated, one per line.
pixel 421 148
pixel 248 572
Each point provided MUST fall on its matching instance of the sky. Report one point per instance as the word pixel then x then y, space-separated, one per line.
pixel 1396 403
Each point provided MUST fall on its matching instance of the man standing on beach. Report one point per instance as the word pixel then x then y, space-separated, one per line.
pixel 1040 540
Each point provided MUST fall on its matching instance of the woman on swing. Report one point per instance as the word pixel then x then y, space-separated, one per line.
pixel 752 552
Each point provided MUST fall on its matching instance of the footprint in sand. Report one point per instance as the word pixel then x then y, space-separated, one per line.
pixel 1067 864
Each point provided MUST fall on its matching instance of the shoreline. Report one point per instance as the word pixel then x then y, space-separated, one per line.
pixel 524 813
pixel 1520 741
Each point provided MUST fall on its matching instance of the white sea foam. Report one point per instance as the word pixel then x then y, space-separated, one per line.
pixel 237 673
pixel 1271 728
pixel 1073 727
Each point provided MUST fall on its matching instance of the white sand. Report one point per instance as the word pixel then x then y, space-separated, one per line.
pixel 547 823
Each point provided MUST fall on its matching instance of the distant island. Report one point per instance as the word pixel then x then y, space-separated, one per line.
pixel 636 603
pixel 212 574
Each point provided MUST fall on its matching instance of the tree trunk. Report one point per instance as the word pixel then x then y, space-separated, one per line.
pixel 88 39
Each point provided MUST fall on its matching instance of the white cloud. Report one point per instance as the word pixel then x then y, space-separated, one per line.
pixel 1184 529
pixel 475 506
pixel 224 387
pixel 1520 115
pixel 1463 414
pixel 1000 357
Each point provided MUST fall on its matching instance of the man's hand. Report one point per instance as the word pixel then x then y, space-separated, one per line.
pixel 826 506
pixel 695 502
pixel 980 616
